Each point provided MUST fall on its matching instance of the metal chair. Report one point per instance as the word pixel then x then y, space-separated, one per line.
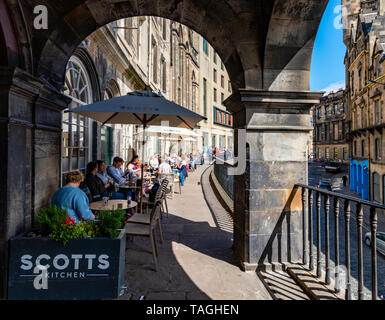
pixel 173 179
pixel 144 218
pixel 147 230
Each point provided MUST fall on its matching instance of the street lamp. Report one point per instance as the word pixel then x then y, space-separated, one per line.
pixel 375 82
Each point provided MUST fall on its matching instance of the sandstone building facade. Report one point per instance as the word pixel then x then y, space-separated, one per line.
pixel 331 128
pixel 365 42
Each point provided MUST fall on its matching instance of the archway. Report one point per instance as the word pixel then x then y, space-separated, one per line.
pixel 266 47
pixel 256 40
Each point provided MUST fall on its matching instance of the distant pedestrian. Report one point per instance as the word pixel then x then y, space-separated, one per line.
pixel 344 180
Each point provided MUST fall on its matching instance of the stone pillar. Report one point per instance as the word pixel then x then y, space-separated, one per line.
pixel 268 221
pixel 30 143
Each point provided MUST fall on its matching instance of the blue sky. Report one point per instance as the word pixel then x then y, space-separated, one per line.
pixel 328 69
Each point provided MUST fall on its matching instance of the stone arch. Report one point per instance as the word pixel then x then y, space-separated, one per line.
pixel 289 43
pixel 75 20
pixel 113 87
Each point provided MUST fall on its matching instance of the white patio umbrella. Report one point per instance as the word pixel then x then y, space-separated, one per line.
pixel 143 108
pixel 170 133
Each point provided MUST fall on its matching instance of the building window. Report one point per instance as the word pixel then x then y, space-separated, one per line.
pixel 335 153
pixel 344 107
pixel 362 148
pixel 355 148
pixel 75 134
pixel 215 57
pixel 205 48
pixel 359 79
pixel 335 131
pixel 164 76
pixel 327 154
pixel 383 189
pixel 326 111
pixel 335 107
pixel 327 132
pixel 377 147
pixel 362 118
pixel 376 187
pixel 318 133
pixel 222 98
pixel 215 95
pixel 223 82
pixel 204 97
pixel 318 113
pixel 377 111
pixel 215 75
pixel 229 86
pixel 154 63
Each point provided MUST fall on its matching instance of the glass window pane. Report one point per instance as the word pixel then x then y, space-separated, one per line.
pixel 75 136
pixel 65 161
pixel 65 137
pixel 81 137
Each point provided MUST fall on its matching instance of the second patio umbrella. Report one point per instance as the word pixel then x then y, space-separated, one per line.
pixel 143 108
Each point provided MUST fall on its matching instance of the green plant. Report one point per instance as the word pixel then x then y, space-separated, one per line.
pixel 110 221
pixel 56 224
pixel 50 218
pixel 66 232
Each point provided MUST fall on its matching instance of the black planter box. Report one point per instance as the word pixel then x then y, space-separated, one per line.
pixel 90 268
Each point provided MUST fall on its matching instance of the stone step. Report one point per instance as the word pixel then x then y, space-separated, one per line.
pixel 281 286
pixel 314 287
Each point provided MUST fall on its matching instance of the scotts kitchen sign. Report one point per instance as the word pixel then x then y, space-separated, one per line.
pixel 64 266
pixel 83 269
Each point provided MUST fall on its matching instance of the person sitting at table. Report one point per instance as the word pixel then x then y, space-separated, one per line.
pixel 72 199
pixel 97 187
pixel 102 174
pixel 133 164
pixel 115 171
pixel 154 162
pixel 164 167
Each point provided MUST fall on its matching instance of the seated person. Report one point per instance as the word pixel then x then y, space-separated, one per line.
pixel 96 186
pixel 164 167
pixel 115 171
pixel 133 165
pixel 72 199
pixel 102 174
pixel 154 162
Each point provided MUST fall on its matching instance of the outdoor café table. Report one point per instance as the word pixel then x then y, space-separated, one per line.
pixel 112 205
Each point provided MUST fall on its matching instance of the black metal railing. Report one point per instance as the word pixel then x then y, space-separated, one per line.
pixel 312 236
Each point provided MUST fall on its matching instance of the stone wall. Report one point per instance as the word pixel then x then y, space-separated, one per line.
pixel 226 180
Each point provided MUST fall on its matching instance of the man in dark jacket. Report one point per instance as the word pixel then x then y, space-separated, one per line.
pixel 94 184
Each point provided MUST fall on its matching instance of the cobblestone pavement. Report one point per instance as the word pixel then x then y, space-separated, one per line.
pixel 195 259
pixel 316 173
